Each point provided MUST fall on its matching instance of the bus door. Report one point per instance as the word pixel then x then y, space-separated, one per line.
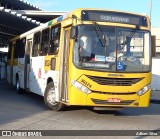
pixel 64 66
pixel 12 62
pixel 27 63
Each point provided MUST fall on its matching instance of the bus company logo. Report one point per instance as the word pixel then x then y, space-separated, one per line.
pixel 116 75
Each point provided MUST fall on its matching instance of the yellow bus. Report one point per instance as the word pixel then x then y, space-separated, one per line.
pixel 88 57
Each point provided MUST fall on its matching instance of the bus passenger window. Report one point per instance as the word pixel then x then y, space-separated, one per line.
pixel 20 48
pixel 9 51
pixel 45 42
pixel 55 40
pixel 36 45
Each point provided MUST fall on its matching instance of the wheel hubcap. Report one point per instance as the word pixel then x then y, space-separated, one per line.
pixel 51 98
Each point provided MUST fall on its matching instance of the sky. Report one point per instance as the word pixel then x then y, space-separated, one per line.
pixel 136 6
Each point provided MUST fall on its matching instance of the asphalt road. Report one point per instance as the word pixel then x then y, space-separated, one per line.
pixel 28 112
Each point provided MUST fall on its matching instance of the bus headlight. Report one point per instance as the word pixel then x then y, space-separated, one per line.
pixel 80 86
pixel 143 90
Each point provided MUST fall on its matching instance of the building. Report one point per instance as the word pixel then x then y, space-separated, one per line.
pixel 155 31
pixel 17 17
pixel 20 16
pixel 155 84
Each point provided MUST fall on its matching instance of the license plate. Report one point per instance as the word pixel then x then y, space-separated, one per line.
pixel 115 100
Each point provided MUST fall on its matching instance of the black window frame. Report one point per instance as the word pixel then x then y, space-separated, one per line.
pixel 36 44
pixel 55 40
pixel 20 48
pixel 45 41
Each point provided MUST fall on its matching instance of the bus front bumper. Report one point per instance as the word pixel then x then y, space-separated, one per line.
pixel 76 97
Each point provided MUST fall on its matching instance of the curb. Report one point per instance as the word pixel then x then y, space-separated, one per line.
pixel 155 101
pixel 3 81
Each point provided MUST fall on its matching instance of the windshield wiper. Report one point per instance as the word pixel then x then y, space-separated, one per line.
pixel 128 38
pixel 100 34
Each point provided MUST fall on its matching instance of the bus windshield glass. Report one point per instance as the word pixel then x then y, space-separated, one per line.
pixel 112 49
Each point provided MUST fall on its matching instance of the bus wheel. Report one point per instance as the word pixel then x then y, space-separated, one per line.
pixel 18 89
pixel 50 98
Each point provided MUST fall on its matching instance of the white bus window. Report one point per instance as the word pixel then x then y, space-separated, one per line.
pixel 36 45
pixel 45 42
pixel 20 48
pixel 55 40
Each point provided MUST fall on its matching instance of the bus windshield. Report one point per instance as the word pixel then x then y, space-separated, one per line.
pixel 112 49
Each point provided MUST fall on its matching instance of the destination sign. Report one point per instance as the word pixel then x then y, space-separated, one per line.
pixel 107 16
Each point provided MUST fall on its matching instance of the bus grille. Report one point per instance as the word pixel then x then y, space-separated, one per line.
pixel 114 81
pixel 124 102
pixel 114 93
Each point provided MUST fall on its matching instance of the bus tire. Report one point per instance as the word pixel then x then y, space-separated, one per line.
pixel 50 98
pixel 18 88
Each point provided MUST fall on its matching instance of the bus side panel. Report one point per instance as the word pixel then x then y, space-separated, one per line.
pixel 54 75
pixel 35 75
pixel 52 72
pixel 10 62
pixel 9 73
pixel 15 71
pixel 21 71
